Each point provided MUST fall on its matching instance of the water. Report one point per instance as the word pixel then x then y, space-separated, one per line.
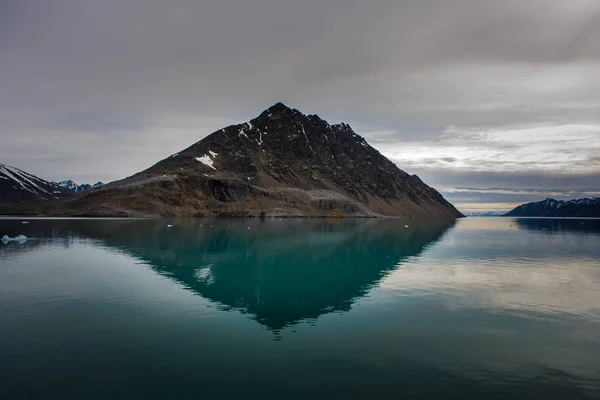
pixel 478 308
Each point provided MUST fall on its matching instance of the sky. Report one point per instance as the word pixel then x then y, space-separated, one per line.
pixel 493 103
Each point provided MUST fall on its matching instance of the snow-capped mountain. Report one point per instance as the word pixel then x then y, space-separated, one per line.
pixel 75 188
pixel 18 186
pixel 587 207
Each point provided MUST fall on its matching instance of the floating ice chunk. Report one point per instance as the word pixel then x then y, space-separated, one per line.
pixel 169 226
pixel 24 222
pixel 406 226
pixel 206 160
pixel 21 238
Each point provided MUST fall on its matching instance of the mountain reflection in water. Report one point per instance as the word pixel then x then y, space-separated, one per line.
pixel 279 272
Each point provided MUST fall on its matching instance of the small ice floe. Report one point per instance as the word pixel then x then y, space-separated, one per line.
pixel 248 227
pixel 169 226
pixel 21 239
pixel 406 226
pixel 24 222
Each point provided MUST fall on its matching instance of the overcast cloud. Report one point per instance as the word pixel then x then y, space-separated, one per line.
pixel 492 102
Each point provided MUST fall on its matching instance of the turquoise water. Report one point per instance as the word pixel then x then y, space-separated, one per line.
pixel 300 308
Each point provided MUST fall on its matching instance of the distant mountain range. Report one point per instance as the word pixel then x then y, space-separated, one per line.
pixel 484 214
pixel 281 163
pixel 588 207
pixel 75 188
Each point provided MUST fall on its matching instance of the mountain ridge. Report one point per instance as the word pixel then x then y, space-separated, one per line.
pixel 17 185
pixel 586 207
pixel 281 163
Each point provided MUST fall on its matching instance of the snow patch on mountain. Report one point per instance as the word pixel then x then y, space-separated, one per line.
pixel 206 160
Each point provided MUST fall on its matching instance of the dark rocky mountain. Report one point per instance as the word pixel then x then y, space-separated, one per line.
pixel 76 188
pixel 282 163
pixel 18 186
pixel 558 208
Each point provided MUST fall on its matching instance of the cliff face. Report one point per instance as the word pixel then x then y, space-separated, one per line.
pixel 282 163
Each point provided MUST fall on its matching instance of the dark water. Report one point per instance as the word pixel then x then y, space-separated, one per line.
pixel 482 308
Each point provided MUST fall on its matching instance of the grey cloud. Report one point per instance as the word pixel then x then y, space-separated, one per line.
pixel 544 181
pixel 449 159
pixel 103 89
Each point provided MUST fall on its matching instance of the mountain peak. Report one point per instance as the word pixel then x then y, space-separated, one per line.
pixel 278 107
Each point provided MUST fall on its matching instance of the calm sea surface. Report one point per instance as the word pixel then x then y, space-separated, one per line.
pixel 480 308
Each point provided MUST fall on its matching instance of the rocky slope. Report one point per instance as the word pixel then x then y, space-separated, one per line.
pixel 18 186
pixel 558 208
pixel 282 163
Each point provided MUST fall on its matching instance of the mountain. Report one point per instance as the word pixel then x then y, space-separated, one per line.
pixel 484 214
pixel 282 163
pixel 558 208
pixel 75 188
pixel 18 186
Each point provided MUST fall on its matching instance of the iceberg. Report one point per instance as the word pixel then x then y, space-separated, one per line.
pixel 21 238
